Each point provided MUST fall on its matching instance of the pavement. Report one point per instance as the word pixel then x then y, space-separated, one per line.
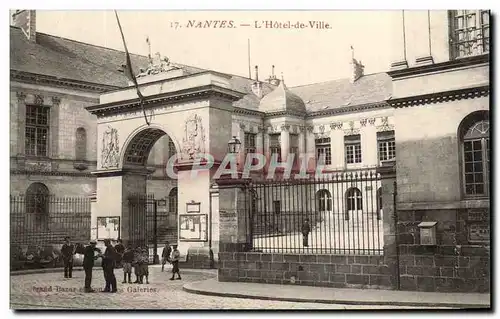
pixel 50 291
pixel 345 296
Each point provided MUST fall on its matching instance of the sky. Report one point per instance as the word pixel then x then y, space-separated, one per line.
pixel 303 56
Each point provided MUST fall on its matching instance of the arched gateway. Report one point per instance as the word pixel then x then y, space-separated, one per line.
pixel 195 112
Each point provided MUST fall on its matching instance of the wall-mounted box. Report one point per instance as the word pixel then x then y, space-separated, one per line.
pixel 428 233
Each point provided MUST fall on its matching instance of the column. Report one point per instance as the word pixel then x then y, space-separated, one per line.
pixel 241 137
pixel 310 148
pixel 369 147
pixel 337 146
pixel 259 143
pixel 266 151
pixel 302 141
pixel 54 127
pixel 424 53
pixel 399 60
pixel 285 142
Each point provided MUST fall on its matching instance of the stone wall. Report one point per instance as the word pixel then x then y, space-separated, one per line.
pixel 453 265
pixel 312 270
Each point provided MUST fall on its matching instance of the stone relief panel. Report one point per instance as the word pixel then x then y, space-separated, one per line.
pixel 352 130
pixel 110 154
pixel 193 142
pixel 385 125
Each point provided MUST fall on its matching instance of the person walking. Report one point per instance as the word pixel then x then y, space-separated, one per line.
pixel 67 251
pixel 90 253
pixel 144 265
pixel 176 256
pixel 306 229
pixel 165 255
pixel 108 266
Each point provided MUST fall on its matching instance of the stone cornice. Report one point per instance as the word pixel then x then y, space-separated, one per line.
pixel 243 111
pixel 440 97
pixel 301 115
pixel 49 173
pixel 206 91
pixel 40 79
pixel 437 67
pixel 349 109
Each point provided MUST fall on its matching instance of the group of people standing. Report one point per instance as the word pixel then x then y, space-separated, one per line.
pixel 116 257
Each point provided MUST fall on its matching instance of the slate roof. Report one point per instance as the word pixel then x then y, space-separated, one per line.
pixel 371 88
pixel 282 99
pixel 73 60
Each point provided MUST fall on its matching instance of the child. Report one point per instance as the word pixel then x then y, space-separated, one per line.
pixel 176 256
pixel 137 265
pixel 128 259
pixel 144 265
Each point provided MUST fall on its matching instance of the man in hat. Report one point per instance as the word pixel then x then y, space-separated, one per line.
pixel 90 254
pixel 67 251
pixel 120 249
pixel 108 266
pixel 176 256
pixel 306 229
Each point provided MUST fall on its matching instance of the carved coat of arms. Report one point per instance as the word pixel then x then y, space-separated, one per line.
pixel 110 150
pixel 194 138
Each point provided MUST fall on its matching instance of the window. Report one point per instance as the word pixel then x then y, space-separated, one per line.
pixel 476 154
pixel 324 200
pixel 379 203
pixel 277 206
pixel 249 143
pixel 37 130
pixel 172 200
pixel 274 145
pixel 324 148
pixel 470 32
pixel 37 204
pixel 386 146
pixel 353 149
pixel 354 201
pixel 80 144
pixel 294 147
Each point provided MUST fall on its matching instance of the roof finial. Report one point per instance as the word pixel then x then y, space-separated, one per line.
pixel 282 78
pixel 272 73
pixel 257 73
pixel 352 52
pixel 149 47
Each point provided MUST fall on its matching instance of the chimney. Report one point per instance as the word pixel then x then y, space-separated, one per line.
pixel 257 85
pixel 26 20
pixel 273 79
pixel 358 70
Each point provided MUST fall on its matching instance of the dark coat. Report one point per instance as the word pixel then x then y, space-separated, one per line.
pixel 109 258
pixel 166 252
pixel 89 256
pixel 306 229
pixel 67 251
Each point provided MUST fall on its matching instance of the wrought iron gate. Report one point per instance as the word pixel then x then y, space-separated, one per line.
pixel 150 222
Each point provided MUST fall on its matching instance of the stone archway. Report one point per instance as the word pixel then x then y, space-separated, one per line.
pixel 195 111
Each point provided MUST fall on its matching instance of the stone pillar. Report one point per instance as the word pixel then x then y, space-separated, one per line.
pixel 113 202
pixel 310 148
pixel 21 123
pixel 285 142
pixel 267 152
pixel 241 136
pixel 93 216
pixel 369 147
pixel 399 59
pixel 424 53
pixel 389 218
pixel 337 146
pixel 259 143
pixel 54 128
pixel 302 141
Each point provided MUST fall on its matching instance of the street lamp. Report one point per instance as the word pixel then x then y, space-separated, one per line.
pixel 233 146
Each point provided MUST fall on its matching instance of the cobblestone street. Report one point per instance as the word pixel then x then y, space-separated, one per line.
pixel 161 293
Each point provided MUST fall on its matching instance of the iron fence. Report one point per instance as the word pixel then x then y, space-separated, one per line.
pixel 45 219
pixel 344 213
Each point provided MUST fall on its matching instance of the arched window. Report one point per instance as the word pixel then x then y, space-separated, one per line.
pixel 354 201
pixel 474 134
pixel 172 200
pixel 324 200
pixel 379 203
pixel 37 203
pixel 81 144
